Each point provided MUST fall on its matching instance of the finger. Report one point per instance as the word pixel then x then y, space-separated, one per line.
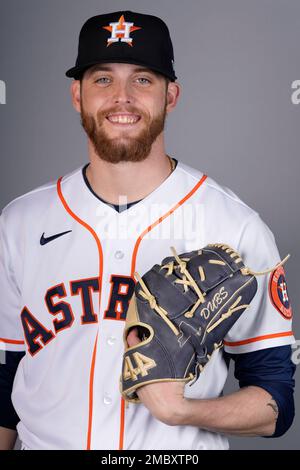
pixel 133 338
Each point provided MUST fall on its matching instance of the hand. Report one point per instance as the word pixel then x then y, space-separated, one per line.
pixel 164 400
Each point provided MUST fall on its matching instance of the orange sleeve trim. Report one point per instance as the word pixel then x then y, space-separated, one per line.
pixel 11 341
pixel 258 338
pixel 100 252
pixel 133 264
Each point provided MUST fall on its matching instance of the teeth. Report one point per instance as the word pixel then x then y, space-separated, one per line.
pixel 123 119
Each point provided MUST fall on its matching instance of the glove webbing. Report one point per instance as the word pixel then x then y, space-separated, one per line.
pixel 246 271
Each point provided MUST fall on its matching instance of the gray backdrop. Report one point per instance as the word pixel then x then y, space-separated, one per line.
pixel 236 121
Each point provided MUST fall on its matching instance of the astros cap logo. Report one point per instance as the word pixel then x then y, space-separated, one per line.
pixel 120 31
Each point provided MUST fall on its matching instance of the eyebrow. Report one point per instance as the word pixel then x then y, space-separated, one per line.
pixel 143 70
pixel 103 68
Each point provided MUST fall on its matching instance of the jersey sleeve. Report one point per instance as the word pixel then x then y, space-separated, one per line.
pixel 8 416
pixel 268 321
pixel 11 332
pixel 273 370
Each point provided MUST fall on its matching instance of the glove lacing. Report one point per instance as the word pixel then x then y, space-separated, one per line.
pixel 189 281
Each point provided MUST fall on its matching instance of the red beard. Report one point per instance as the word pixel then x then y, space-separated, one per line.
pixel 124 149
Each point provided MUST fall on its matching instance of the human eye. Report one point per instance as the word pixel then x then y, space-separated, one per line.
pixel 103 80
pixel 143 80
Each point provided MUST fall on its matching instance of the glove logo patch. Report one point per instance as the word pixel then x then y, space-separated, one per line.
pixel 279 293
pixel 143 364
pixel 214 304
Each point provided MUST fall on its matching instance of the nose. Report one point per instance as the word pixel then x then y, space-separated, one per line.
pixel 122 94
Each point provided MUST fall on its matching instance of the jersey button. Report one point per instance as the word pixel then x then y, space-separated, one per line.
pixel 107 399
pixel 119 254
pixel 111 340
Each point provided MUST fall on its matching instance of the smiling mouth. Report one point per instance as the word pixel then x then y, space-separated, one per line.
pixel 123 118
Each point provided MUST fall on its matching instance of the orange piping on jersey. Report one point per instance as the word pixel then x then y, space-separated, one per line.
pixel 91 398
pixel 11 341
pixel 122 424
pixel 258 338
pixel 133 263
pixel 92 370
pixel 161 219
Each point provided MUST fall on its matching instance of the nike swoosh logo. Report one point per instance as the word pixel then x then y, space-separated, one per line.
pixel 44 240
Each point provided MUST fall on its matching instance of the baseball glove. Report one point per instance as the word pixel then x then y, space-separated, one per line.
pixel 182 310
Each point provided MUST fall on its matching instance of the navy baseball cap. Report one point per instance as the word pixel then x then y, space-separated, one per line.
pixel 125 37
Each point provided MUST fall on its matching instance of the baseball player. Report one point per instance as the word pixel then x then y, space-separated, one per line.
pixel 68 253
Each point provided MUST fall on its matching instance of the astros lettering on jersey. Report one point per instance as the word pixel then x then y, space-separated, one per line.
pixel 67 266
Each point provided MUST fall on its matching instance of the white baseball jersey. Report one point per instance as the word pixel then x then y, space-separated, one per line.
pixel 67 267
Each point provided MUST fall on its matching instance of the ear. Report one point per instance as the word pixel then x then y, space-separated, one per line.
pixel 75 91
pixel 173 93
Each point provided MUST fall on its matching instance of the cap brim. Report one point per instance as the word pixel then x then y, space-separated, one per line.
pixel 76 72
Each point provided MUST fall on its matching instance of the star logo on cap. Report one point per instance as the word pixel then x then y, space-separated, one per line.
pixel 120 31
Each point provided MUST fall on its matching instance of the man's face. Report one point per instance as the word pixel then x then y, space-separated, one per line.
pixel 123 110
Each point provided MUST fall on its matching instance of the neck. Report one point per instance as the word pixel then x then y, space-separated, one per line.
pixel 130 181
